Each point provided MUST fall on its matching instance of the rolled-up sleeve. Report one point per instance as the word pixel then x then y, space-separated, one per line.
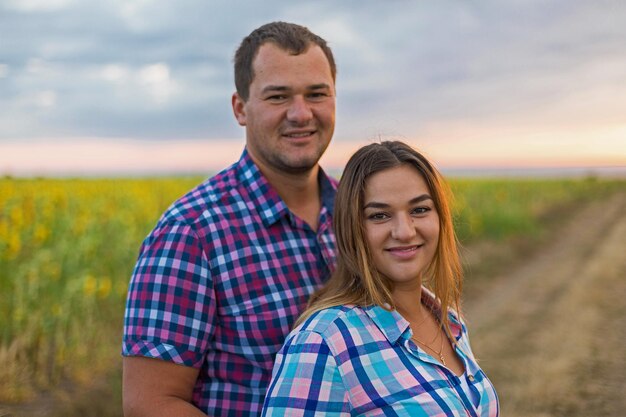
pixel 306 379
pixel 170 309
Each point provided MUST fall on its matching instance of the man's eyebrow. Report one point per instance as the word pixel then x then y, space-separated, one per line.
pixel 319 86
pixel 271 88
pixel 415 200
pixel 283 88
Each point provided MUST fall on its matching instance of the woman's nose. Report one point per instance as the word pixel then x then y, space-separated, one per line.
pixel 403 228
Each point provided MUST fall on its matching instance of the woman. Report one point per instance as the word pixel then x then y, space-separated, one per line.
pixel 384 336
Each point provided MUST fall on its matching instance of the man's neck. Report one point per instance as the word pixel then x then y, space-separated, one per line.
pixel 300 192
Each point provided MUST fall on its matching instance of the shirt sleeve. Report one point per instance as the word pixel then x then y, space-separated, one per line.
pixel 170 310
pixel 306 379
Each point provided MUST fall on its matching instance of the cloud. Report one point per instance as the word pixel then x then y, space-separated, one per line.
pixel 156 80
pixel 36 66
pixel 38 5
pixel 45 99
pixel 156 69
pixel 115 73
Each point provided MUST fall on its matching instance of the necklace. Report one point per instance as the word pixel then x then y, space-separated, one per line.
pixel 439 354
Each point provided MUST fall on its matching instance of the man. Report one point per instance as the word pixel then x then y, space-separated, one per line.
pixel 229 267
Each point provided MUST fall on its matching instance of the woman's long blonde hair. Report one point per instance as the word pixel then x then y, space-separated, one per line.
pixel 355 280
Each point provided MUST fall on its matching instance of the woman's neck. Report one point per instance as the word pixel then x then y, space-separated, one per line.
pixel 408 302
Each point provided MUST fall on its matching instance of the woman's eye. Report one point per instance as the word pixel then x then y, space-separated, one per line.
pixel 421 210
pixel 377 216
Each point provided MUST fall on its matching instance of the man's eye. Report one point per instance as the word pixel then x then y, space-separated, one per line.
pixel 317 96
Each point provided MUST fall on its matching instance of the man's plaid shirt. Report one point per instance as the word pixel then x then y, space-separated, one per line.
pixel 220 281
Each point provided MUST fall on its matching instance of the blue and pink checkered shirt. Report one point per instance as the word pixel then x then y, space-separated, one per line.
pixel 352 361
pixel 220 281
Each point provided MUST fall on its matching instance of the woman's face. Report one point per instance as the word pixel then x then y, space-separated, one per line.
pixel 401 223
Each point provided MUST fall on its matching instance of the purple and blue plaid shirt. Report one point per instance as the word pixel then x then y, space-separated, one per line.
pixel 352 361
pixel 220 281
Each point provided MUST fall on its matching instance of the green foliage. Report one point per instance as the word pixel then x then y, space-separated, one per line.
pixel 501 208
pixel 67 249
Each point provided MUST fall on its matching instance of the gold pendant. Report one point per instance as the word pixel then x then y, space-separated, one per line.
pixel 443 361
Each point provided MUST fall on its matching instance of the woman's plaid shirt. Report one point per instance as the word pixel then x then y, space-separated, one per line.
pixel 351 361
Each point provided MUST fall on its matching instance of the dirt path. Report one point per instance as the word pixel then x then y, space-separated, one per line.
pixel 550 331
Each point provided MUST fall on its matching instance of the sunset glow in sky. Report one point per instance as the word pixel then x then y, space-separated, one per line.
pixel 143 86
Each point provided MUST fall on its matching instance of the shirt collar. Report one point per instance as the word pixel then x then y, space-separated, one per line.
pixel 263 198
pixel 328 190
pixel 394 326
pixel 429 300
pixel 389 322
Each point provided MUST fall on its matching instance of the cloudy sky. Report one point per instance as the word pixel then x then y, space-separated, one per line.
pixel 145 85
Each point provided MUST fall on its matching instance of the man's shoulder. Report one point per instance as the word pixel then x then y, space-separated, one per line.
pixel 211 197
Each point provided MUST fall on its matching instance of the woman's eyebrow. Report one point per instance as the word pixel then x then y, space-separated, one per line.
pixel 418 199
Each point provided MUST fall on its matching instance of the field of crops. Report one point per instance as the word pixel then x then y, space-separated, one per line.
pixel 67 249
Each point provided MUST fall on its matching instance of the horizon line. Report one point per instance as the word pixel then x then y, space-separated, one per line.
pixel 547 171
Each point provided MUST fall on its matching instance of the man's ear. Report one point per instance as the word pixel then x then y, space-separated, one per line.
pixel 239 109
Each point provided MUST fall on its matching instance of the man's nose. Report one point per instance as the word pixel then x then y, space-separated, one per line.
pixel 299 111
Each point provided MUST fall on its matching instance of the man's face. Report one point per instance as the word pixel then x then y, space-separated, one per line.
pixel 290 112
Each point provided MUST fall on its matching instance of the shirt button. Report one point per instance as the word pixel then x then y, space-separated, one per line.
pixel 471 378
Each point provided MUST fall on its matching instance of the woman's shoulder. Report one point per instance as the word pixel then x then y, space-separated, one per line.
pixel 338 322
pixel 321 320
pixel 335 325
